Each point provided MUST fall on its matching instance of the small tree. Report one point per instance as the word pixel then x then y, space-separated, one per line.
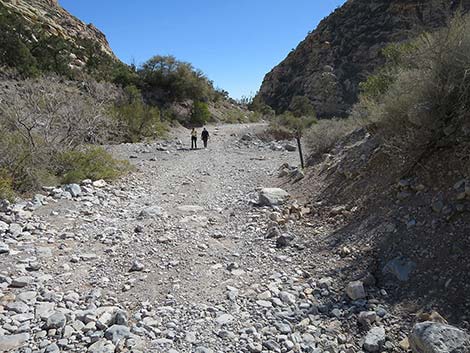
pixel 301 106
pixel 137 119
pixel 200 114
pixel 297 126
pixel 301 116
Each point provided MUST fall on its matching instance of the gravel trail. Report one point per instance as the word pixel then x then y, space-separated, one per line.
pixel 178 257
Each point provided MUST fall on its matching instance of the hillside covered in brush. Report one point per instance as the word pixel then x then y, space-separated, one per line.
pixel 328 66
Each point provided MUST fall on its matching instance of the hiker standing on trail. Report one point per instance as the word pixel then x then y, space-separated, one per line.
pixel 193 139
pixel 205 137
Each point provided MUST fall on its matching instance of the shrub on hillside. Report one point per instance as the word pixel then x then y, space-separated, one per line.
pixel 296 124
pixel 43 118
pixel 428 95
pixel 138 120
pixel 301 106
pixel 257 105
pixel 200 114
pixel 324 135
pixel 92 163
pixel 6 186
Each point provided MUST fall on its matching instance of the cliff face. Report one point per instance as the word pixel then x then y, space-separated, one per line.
pixel 56 21
pixel 329 64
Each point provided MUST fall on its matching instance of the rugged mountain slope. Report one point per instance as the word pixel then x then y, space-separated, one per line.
pixel 50 33
pixel 329 64
pixel 57 21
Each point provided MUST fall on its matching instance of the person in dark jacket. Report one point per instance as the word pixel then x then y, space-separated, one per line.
pixel 205 137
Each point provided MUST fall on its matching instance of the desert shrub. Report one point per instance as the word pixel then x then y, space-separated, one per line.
pixel 138 120
pixel 322 136
pixel 254 117
pixel 394 54
pixel 6 186
pixel 26 164
pixel 92 163
pixel 286 126
pixel 200 114
pixel 262 110
pixel 428 96
pixel 295 124
pixel 277 133
pixel 235 116
pixel 301 106
pixel 43 118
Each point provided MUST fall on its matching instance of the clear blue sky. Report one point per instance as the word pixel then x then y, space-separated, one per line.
pixel 235 42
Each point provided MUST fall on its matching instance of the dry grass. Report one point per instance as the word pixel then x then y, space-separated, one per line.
pixel 323 136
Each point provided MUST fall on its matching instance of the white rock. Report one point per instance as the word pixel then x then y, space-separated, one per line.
pixel 375 339
pixel 13 342
pixel 433 337
pixel 355 290
pixel 272 197
pixel 4 248
pixel 102 346
pixel 74 189
pixel 151 212
pixel 99 183
pixel 224 319
pixel 3 227
pixel 44 310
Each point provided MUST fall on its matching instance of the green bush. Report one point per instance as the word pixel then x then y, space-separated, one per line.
pixel 43 118
pixel 234 116
pixel 301 106
pixel 276 132
pixel 296 125
pixel 200 114
pixel 379 83
pixel 24 164
pixel 137 119
pixel 258 106
pixel 6 186
pixel 93 163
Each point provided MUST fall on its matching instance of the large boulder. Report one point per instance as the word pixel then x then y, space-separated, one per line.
pixel 56 321
pixel 400 267
pixel 151 212
pixel 4 248
pixel 272 197
pixel 74 189
pixel 102 346
pixel 13 342
pixel 116 333
pixel 355 290
pixel 375 339
pixel 433 337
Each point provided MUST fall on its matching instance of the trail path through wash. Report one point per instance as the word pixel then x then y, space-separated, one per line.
pixel 175 257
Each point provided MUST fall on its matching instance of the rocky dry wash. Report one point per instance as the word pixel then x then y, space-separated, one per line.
pixel 180 257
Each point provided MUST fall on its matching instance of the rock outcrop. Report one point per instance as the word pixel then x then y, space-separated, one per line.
pixel 56 21
pixel 329 64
